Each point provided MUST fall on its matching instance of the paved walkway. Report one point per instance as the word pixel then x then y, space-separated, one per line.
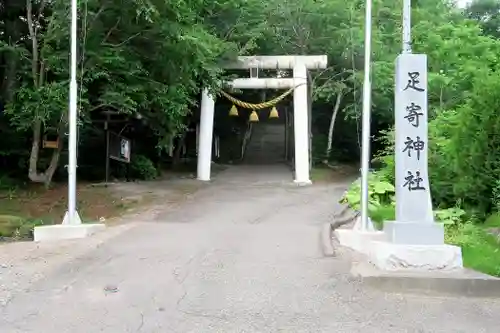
pixel 241 255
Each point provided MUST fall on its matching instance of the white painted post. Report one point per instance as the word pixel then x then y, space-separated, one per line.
pixel 206 135
pixel 72 226
pixel 366 223
pixel 406 26
pixel 72 217
pixel 301 125
pixel 414 218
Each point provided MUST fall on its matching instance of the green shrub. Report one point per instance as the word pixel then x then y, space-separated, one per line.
pixel 17 228
pixel 143 168
pixel 492 221
pixel 480 250
pixel 450 216
pixel 380 193
pixel 382 203
pixel 495 197
pixel 382 214
pixel 385 158
pixel 7 183
pixel 9 224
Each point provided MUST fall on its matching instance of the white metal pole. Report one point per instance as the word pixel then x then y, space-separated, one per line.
pixel 365 150
pixel 406 26
pixel 72 216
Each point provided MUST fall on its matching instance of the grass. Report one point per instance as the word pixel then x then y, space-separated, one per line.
pixel 480 249
pixel 23 207
pixel 324 174
pixel 493 221
pixel 384 213
pixel 483 249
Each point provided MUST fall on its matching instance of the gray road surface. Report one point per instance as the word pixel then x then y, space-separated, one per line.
pixel 241 255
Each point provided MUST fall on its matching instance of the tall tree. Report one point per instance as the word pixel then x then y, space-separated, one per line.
pixel 487 13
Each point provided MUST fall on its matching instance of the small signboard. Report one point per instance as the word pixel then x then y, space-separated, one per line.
pixel 119 148
pixel 50 141
pixel 50 144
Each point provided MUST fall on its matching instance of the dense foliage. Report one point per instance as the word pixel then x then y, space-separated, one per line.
pixel 149 60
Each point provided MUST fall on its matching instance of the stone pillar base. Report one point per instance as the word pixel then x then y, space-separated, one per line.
pixel 393 257
pixel 302 182
pixel 414 233
pixel 358 240
pixel 65 231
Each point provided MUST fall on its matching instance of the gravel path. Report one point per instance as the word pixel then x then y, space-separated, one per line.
pixel 241 255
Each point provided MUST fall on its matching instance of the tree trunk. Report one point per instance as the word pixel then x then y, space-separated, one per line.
pixel 33 174
pixel 332 125
pixel 11 60
pixel 176 159
pixel 54 163
pixel 38 74
pixel 441 97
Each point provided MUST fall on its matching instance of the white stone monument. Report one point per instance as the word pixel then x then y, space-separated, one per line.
pixel 414 241
pixel 414 218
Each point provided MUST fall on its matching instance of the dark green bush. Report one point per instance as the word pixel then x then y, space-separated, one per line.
pixel 143 168
pixel 17 228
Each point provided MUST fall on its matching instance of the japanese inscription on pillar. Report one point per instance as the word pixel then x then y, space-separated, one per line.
pixel 413 199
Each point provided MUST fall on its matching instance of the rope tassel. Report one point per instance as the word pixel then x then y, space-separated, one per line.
pixel 274 113
pixel 234 111
pixel 254 117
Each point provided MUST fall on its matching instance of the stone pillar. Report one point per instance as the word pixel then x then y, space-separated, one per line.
pixel 414 241
pixel 206 136
pixel 414 218
pixel 301 126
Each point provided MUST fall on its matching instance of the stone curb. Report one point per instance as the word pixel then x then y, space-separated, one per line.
pixel 464 283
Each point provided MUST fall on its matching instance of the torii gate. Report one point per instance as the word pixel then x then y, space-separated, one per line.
pixel 300 65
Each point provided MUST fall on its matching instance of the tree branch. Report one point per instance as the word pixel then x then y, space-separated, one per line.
pixel 103 105
pixel 230 31
pixel 96 16
pixel 332 125
pixel 125 41
pixel 34 42
pixel 40 13
pixel 41 74
pixel 113 28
